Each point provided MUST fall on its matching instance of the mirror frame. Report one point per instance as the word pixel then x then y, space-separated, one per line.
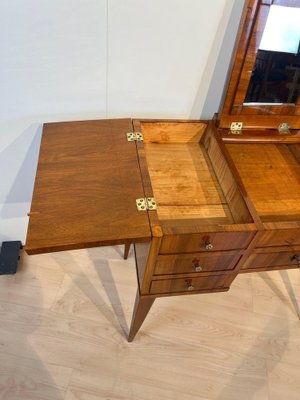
pixel 233 108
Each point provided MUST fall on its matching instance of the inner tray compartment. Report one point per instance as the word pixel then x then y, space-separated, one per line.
pixel 189 176
pixel 270 173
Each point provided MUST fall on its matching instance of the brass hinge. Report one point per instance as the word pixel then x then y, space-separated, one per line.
pixel 146 203
pixel 236 128
pixel 134 136
pixel 284 128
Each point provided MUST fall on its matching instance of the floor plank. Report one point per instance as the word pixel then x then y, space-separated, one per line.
pixel 22 378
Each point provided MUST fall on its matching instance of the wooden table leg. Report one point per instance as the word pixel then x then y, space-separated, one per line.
pixel 142 306
pixel 126 250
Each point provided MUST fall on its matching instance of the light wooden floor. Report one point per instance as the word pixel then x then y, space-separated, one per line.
pixel 62 323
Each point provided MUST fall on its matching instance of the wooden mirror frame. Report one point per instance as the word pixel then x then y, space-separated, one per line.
pixel 233 109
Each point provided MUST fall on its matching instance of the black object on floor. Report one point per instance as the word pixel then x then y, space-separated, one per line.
pixel 9 257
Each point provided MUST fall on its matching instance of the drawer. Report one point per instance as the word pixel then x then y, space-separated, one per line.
pixel 283 237
pixel 286 259
pixel 195 262
pixel 205 242
pixel 190 285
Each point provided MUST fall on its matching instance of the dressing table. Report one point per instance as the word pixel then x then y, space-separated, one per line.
pixel 201 201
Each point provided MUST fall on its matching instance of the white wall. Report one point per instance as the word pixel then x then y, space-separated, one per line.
pixel 80 59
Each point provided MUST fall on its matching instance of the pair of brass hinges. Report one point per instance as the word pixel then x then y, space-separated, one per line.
pixel 142 203
pixel 146 203
pixel 134 136
pixel 236 128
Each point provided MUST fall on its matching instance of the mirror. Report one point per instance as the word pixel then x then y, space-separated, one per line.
pixel 275 78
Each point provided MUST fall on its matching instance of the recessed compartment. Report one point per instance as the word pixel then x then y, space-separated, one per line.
pixel 190 178
pixel 270 173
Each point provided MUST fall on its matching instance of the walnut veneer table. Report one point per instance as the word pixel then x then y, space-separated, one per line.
pixel 203 228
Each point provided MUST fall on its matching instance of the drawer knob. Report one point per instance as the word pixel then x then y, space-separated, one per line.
pixel 197 266
pixel 208 246
pixel 189 285
pixel 296 257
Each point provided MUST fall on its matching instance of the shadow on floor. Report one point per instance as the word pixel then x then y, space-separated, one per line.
pixel 102 267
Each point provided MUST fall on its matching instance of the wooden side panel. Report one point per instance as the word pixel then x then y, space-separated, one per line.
pixel 243 40
pixel 225 176
pixel 153 218
pixel 146 257
pixel 254 115
pixel 295 150
pixel 260 20
pixel 141 252
pixel 262 136
pixel 172 132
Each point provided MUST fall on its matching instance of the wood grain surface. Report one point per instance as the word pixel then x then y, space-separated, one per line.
pixel 190 243
pixel 172 131
pixel 190 285
pixel 272 258
pixel 186 263
pixel 87 181
pixel 271 175
pixel 184 184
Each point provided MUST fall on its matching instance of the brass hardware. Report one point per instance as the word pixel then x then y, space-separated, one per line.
pixel 146 203
pixel 208 246
pixel 284 128
pixel 141 204
pixel 197 266
pixel 236 128
pixel 296 258
pixel 189 285
pixel 151 203
pixel 134 136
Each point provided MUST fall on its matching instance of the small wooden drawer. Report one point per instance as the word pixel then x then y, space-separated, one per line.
pixel 195 263
pixel 283 237
pixel 286 259
pixel 190 285
pixel 206 242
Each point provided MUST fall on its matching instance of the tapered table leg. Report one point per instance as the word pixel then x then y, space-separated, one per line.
pixel 142 306
pixel 126 250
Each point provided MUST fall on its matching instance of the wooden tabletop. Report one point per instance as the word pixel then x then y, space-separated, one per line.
pixel 86 184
